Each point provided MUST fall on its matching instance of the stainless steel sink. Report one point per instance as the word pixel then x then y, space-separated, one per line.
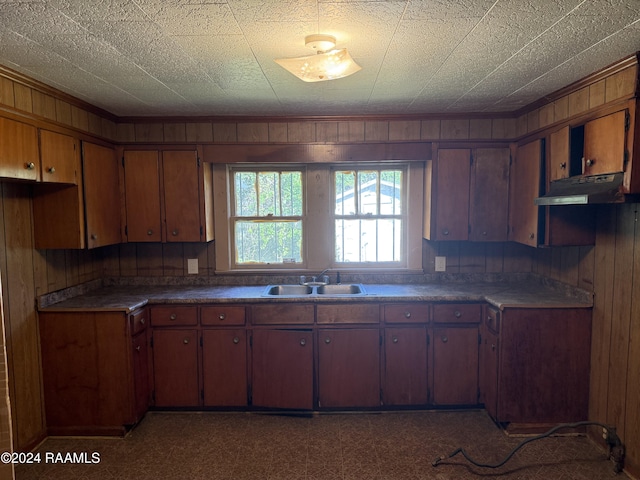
pixel 289 290
pixel 340 289
pixel 348 289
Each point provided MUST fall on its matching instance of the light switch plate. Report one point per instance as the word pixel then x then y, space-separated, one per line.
pixel 441 264
pixel 192 265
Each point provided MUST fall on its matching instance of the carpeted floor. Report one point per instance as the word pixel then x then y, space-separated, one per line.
pixel 386 446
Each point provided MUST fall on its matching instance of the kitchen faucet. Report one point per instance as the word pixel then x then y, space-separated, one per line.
pixel 318 279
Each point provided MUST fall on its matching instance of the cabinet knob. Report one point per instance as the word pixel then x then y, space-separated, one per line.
pixel 142 320
pixel 327 340
pixel 236 340
pixel 445 232
pixel 30 166
pixel 493 347
pixel 394 339
pixel 94 236
pixel 138 348
pixel 457 314
pixel 173 316
pixel 303 341
pixel 484 234
pixel 532 236
pixel 444 339
pixel 590 162
pixel 175 232
pixel 149 232
pixel 407 314
pixel 185 341
pixel 51 169
pixel 221 316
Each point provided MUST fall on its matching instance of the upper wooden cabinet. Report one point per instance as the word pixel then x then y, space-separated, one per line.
pixel 605 144
pixel 168 196
pixel 85 215
pixel 524 188
pixel 467 193
pixel 18 150
pixel 59 158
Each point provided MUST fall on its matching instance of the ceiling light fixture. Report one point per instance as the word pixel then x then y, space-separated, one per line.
pixel 328 64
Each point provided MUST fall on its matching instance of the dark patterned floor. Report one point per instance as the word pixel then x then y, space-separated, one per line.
pixel 384 446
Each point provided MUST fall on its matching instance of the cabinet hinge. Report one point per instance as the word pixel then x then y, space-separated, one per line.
pixel 510 159
pixel 381 340
pixel 625 159
pixel 201 342
pixel 201 230
pixel 151 342
pixel 250 340
pixel 471 159
pixel 123 160
pixel 428 339
pixel 198 160
pixel 202 394
pixel 126 229
pixel 479 339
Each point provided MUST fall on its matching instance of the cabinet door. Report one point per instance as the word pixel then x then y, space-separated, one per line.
pixel 489 197
pixel 455 366
pixel 181 196
pixel 141 373
pixel 175 368
pixel 405 366
pixel 101 195
pixel 452 194
pixel 142 192
pixel 558 164
pixel 524 188
pixel 18 150
pixel 224 367
pixel 488 377
pixel 604 144
pixel 349 367
pixel 60 157
pixel 282 369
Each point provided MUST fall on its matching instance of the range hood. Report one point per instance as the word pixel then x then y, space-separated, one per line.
pixel 583 190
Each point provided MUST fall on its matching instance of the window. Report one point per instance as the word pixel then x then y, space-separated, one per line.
pixel 369 215
pixel 267 216
pixel 306 218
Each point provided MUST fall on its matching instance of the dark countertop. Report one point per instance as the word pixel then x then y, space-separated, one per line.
pixel 500 295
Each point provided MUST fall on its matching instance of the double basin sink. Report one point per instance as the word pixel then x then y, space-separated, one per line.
pixel 339 289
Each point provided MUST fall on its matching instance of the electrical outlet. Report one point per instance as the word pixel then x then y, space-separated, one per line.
pixel 192 265
pixel 441 264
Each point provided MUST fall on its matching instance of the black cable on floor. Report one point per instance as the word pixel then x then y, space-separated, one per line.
pixel 616 448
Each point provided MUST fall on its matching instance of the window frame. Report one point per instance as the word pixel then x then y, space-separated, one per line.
pixel 319 231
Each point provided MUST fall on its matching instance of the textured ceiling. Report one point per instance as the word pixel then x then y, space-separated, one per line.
pixel 215 57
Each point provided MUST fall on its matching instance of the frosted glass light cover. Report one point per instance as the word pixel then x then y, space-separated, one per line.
pixel 322 66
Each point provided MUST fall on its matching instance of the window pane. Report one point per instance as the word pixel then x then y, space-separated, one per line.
pixel 368 192
pixel 390 192
pixel 345 193
pixel 389 238
pixel 291 188
pixel 245 193
pixel 269 194
pixel 268 242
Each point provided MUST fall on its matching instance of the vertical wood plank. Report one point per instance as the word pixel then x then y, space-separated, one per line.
pixel 579 101
pixel 602 307
pixel 128 255
pixel 173 260
pixel 472 257
pixel 301 132
pixel 494 260
pixel 277 132
pixel 596 94
pixel 225 132
pixel 149 132
pixel 44 105
pixel 79 118
pixel 149 259
pixel 480 128
pixel 561 108
pixel 174 132
pixel 199 132
pixel 351 131
pixel 376 131
pixel 430 130
pixel 586 275
pixel 327 132
pixel 454 129
pixel 22 96
pixel 253 132
pixel 6 92
pixel 621 316
pixel 56 270
pixel 404 130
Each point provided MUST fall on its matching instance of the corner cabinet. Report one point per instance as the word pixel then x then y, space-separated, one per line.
pixel 168 196
pixel 86 215
pixel 95 371
pixel 535 365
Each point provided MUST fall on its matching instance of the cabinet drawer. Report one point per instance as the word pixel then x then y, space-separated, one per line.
pixel 169 316
pixel 282 313
pixel 457 313
pixel 139 321
pixel 406 313
pixel 222 315
pixel 492 319
pixel 346 313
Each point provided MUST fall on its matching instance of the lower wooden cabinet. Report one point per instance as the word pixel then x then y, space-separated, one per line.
pixel 541 365
pixel 282 368
pixel 175 367
pixel 95 371
pixel 488 368
pixel 405 366
pixel 349 367
pixel 224 367
pixel 455 365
